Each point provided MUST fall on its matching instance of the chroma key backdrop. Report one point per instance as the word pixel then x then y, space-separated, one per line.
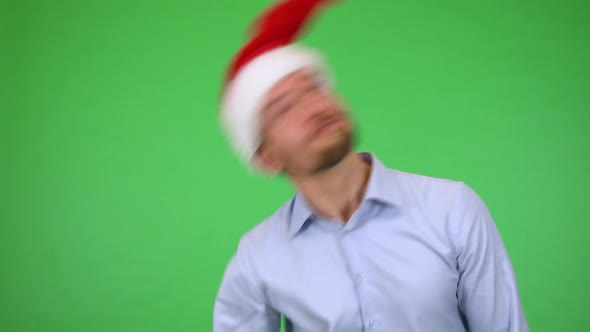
pixel 121 202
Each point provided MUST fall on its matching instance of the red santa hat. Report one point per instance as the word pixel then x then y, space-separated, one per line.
pixel 269 56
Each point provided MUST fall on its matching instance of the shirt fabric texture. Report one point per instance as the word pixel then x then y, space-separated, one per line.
pixel 419 254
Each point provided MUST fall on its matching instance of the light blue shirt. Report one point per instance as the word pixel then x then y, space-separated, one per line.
pixel 419 254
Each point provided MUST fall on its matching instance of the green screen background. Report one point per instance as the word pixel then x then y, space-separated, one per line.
pixel 122 203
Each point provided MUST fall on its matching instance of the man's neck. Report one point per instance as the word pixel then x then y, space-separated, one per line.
pixel 337 192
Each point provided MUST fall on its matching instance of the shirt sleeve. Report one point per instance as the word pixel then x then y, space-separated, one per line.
pixel 487 291
pixel 240 305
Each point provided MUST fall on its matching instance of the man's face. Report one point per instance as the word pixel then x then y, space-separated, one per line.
pixel 305 128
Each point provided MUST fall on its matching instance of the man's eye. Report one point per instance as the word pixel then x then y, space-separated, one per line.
pixel 281 111
pixel 314 86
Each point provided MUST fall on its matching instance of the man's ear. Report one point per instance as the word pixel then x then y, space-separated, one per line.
pixel 267 160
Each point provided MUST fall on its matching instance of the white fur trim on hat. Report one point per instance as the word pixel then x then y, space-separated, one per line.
pixel 244 94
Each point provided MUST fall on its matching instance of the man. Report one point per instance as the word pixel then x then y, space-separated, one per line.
pixel 359 247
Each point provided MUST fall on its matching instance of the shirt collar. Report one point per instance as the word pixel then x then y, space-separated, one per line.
pixel 381 187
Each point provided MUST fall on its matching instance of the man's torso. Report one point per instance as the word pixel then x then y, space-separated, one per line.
pixel 392 264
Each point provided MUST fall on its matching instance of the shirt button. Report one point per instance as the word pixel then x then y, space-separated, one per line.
pixel 360 277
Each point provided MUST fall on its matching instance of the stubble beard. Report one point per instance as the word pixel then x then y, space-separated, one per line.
pixel 334 154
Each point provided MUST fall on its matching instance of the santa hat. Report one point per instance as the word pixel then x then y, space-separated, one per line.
pixel 269 56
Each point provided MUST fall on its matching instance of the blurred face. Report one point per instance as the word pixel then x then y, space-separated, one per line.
pixel 305 128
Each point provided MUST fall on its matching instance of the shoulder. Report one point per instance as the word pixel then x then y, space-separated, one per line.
pixel 267 235
pixel 428 191
pixel 453 202
pixel 451 205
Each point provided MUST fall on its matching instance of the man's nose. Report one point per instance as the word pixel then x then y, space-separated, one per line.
pixel 317 107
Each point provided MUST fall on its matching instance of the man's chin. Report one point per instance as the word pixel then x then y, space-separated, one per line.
pixel 332 154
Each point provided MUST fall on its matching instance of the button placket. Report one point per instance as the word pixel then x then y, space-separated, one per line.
pixel 360 277
pixel 355 271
